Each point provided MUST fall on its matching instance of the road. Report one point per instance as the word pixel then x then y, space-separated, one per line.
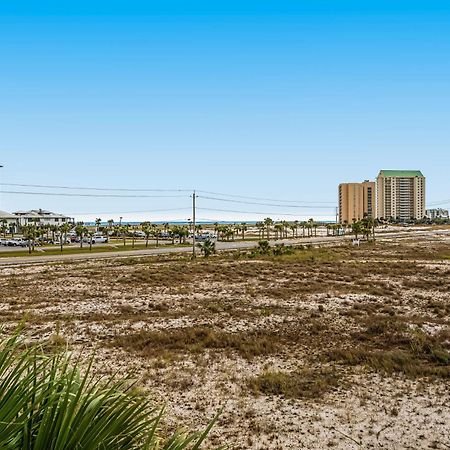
pixel 231 245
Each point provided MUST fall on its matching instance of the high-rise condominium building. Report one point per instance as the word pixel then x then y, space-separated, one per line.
pixel 401 194
pixel 356 200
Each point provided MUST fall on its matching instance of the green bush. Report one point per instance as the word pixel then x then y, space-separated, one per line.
pixel 46 403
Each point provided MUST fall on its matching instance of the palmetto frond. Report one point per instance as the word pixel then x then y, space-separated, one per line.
pixel 47 403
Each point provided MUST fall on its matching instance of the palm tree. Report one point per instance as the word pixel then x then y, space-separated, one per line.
pixel 183 233
pixel 80 231
pixel 12 229
pixel 296 223
pixel 229 233
pixel 293 228
pixel 303 225
pixel 4 227
pixel 244 228
pixel 166 227
pixel 53 229
pixel 98 222
pixel 63 229
pixel 236 229
pixel 110 223
pixel 91 235
pixel 133 235
pixel 268 222
pixel 123 231
pixel 260 226
pixel 278 227
pixel 41 233
pixel 146 227
pixel 155 233
pixel 357 229
pixel 29 233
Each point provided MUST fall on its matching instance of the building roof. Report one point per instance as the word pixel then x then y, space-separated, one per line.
pixel 401 173
pixel 6 215
pixel 42 213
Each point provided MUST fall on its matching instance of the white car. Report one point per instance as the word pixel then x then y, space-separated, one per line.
pixel 19 242
pixel 98 240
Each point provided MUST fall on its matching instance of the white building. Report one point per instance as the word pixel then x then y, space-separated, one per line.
pixel 41 217
pixel 438 213
pixel 11 221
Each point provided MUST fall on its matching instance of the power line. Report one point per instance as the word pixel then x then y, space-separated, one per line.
pixel 442 202
pixel 129 212
pixel 262 198
pixel 73 188
pixel 60 194
pixel 263 204
pixel 84 188
pixel 262 213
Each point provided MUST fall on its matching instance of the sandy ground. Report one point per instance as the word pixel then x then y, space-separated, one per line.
pixel 198 334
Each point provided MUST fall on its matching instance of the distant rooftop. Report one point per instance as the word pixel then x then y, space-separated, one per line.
pixel 6 215
pixel 401 173
pixel 38 212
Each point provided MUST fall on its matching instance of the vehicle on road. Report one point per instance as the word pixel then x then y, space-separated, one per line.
pixel 205 236
pixel 14 242
pixel 97 240
pixel 19 242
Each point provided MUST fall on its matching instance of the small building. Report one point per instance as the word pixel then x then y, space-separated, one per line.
pixel 10 220
pixel 41 217
pixel 437 213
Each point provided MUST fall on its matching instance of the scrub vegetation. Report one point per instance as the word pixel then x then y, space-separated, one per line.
pixel 309 347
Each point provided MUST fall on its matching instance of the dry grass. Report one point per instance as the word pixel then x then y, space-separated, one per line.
pixel 264 332
pixel 299 384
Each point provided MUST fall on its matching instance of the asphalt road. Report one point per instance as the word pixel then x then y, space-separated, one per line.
pixel 232 245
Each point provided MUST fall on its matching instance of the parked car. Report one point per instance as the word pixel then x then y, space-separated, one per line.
pixel 14 242
pixel 19 242
pixel 205 236
pixel 97 240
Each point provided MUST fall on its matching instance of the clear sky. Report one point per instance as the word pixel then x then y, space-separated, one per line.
pixel 273 99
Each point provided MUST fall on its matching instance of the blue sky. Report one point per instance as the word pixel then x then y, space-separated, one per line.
pixel 272 99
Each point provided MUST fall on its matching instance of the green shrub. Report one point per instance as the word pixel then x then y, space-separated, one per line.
pixel 46 403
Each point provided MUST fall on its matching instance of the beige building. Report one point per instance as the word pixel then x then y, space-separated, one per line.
pixel 401 195
pixel 356 200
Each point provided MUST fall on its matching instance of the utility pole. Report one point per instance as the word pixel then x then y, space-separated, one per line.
pixel 337 214
pixel 193 225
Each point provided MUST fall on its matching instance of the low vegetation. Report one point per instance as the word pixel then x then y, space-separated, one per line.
pixel 287 338
pixel 298 384
pixel 46 403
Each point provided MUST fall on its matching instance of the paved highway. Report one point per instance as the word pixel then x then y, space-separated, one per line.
pixel 232 245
